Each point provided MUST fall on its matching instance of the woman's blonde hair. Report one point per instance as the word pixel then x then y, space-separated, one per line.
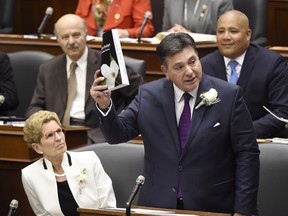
pixel 33 126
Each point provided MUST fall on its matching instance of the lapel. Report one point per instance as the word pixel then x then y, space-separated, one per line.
pixel 61 86
pixel 67 163
pixel 196 22
pixel 247 67
pixel 168 106
pixel 220 68
pixel 93 64
pixel 198 114
pixel 47 178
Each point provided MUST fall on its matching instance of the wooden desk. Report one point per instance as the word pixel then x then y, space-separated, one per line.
pixel 277 26
pixel 15 155
pixel 280 49
pixel 13 43
pixel 94 212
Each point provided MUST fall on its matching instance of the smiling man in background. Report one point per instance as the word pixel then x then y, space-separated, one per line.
pixel 262 74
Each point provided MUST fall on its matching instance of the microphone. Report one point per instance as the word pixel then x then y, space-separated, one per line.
pixel 48 13
pixel 147 16
pixel 139 182
pixel 13 207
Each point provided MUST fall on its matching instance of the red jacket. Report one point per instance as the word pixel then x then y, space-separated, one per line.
pixel 123 14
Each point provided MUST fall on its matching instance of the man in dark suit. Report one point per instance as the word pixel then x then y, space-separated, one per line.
pixel 51 91
pixel 216 168
pixel 263 74
pixel 8 90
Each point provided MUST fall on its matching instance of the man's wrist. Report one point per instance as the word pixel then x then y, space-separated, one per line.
pixel 106 110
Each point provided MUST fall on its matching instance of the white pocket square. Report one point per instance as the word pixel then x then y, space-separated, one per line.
pixel 216 125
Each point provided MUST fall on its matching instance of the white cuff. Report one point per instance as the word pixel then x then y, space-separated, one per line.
pixel 105 113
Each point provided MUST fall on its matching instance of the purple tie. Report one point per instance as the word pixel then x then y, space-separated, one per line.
pixel 183 128
pixel 185 121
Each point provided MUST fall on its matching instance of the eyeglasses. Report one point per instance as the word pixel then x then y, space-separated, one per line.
pixel 52 135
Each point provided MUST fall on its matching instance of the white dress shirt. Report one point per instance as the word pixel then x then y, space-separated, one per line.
pixel 239 60
pixel 78 105
pixel 179 101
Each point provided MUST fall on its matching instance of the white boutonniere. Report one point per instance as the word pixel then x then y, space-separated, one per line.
pixel 208 98
pixel 81 178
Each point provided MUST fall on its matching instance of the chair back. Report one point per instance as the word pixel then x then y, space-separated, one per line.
pixel 137 65
pixel 123 163
pixel 25 65
pixel 7 13
pixel 257 13
pixel 273 185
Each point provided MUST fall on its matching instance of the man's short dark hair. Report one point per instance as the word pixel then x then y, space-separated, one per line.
pixel 174 43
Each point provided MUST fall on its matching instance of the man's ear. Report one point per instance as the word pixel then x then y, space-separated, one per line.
pixel 165 71
pixel 36 148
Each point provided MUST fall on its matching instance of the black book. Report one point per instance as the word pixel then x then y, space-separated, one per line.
pixel 112 62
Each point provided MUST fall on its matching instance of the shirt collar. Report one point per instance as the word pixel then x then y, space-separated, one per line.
pixel 179 93
pixel 239 59
pixel 81 62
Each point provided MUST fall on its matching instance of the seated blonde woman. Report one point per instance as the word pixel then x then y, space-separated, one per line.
pixel 61 181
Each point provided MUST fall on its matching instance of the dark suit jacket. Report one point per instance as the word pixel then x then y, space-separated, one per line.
pixel 7 85
pixel 174 10
pixel 51 90
pixel 264 81
pixel 219 167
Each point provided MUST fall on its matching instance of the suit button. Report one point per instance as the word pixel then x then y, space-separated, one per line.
pixel 180 168
pixel 174 189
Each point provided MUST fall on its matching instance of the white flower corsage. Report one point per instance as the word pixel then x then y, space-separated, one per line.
pixel 81 179
pixel 208 98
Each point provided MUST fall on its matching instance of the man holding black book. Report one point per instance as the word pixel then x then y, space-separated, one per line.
pixel 65 90
pixel 200 148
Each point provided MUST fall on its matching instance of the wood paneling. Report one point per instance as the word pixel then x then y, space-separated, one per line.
pixel 277 23
pixel 29 14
